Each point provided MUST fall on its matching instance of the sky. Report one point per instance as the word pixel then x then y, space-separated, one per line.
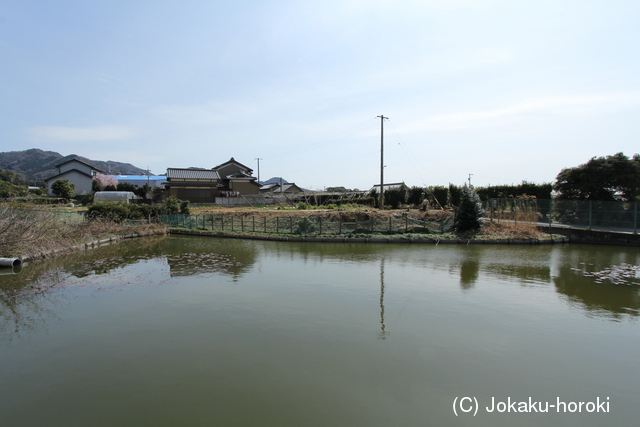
pixel 487 91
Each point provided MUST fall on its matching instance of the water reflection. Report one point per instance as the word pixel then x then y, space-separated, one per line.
pixel 383 333
pixel 469 272
pixel 598 299
pixel 28 297
pixel 188 256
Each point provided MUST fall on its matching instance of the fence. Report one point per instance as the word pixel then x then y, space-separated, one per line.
pixel 305 225
pixel 68 218
pixel 589 214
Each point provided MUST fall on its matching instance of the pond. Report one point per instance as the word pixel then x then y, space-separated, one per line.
pixel 208 331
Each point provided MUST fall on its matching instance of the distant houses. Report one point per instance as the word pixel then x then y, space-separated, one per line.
pixel 229 179
pixel 197 185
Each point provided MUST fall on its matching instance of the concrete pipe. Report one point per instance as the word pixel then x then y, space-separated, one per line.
pixel 10 262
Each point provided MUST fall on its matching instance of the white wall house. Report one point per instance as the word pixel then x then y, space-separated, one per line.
pixel 78 172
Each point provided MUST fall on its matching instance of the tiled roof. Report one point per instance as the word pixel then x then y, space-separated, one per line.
pixel 232 161
pixel 192 174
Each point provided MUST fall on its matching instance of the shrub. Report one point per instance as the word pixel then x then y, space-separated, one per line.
pixel 109 211
pixel 454 195
pixel 416 196
pixel 120 212
pixel 305 226
pixel 8 190
pixel 394 197
pixel 171 205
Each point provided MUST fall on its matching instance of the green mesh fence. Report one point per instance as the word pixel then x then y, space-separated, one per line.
pixel 305 225
pixel 68 218
pixel 594 215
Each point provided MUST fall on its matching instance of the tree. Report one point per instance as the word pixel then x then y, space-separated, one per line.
pixel 64 189
pixel 469 211
pixel 601 178
pixel 143 192
pixel 8 176
pixel 103 181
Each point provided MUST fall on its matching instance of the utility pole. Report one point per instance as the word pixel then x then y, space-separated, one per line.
pixel 258 159
pixel 382 119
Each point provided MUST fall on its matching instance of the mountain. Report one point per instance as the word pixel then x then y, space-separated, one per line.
pixel 274 180
pixel 37 165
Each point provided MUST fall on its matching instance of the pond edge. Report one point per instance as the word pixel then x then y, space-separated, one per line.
pixel 368 240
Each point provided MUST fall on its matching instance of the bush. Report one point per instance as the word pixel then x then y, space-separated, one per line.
pixel 171 205
pixel 454 195
pixel 303 205
pixel 394 197
pixel 416 196
pixel 8 190
pixel 305 226
pixel 109 211
pixel 120 212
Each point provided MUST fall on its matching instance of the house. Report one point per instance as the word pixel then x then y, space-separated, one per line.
pixel 79 173
pixel 289 187
pixel 237 178
pixel 196 185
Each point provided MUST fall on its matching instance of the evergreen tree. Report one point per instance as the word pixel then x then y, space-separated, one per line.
pixel 63 188
pixel 469 211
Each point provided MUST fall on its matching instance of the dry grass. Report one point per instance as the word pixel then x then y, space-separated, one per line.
pixel 26 232
pixel 514 219
pixel 512 230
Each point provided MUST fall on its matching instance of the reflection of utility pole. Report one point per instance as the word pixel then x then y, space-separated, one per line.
pixel 382 118
pixel 383 334
pixel 258 159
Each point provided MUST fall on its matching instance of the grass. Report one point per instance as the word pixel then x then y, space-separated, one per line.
pixel 27 232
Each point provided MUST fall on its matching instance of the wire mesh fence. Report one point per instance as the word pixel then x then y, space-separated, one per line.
pixel 588 214
pixel 305 225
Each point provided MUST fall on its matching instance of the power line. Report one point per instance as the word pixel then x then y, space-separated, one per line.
pixel 409 154
pixel 330 140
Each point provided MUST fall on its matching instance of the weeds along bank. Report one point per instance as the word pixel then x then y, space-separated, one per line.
pixel 29 233
pixel 354 225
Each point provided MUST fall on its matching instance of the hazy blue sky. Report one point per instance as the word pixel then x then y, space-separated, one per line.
pixel 505 90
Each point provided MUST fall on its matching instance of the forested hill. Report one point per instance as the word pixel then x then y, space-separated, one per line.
pixel 36 165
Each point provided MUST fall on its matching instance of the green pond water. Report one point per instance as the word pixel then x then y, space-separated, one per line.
pixel 173 331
